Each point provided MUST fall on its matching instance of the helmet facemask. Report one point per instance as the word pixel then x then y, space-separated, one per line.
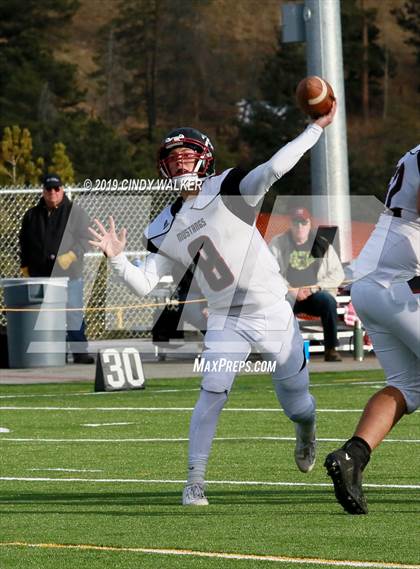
pixel 195 163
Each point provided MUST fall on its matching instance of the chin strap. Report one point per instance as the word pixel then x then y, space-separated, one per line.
pixel 187 182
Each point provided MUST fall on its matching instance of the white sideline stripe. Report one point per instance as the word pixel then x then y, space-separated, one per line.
pixel 228 482
pixel 217 555
pixel 105 424
pixel 183 439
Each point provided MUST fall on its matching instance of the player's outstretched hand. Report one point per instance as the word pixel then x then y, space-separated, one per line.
pixel 325 120
pixel 108 241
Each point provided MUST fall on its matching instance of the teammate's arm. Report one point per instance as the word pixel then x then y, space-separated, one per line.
pixel 259 180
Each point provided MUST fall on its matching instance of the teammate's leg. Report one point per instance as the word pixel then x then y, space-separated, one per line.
pixel 381 413
pixel 394 328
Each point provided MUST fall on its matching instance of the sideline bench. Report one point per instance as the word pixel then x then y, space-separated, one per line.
pixel 311 329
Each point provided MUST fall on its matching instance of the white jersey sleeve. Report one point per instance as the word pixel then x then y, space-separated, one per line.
pixel 143 278
pixel 259 180
pixel 405 183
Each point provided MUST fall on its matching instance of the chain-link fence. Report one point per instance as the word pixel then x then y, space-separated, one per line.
pixel 106 299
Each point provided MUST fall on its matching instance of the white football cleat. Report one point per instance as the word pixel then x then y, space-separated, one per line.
pixel 305 449
pixel 193 495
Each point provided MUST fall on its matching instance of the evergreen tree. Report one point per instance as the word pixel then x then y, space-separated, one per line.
pixel 61 164
pixel 17 166
pixel 153 63
pixel 138 33
pixel 364 58
pixel 110 76
pixel 273 121
pixel 408 17
pixel 33 84
pixel 96 149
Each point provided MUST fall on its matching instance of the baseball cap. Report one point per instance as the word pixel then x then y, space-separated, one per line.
pixel 51 181
pixel 300 213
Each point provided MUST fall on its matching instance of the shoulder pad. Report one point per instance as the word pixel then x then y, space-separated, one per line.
pixel 157 229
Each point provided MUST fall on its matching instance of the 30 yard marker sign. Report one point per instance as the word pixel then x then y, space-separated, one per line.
pixel 119 369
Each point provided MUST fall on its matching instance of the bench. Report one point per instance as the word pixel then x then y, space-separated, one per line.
pixel 311 329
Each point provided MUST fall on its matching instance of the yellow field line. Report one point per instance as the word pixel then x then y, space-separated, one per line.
pixel 214 555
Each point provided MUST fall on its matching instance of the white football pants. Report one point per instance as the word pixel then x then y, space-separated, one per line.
pixel 275 332
pixel 229 340
pixel 391 317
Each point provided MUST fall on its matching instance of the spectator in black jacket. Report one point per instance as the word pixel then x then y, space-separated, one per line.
pixel 53 239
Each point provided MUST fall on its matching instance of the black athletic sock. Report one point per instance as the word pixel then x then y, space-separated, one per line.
pixel 359 450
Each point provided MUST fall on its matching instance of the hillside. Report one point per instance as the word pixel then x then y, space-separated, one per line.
pixel 172 62
pixel 252 33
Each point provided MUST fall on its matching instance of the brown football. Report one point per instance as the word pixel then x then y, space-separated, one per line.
pixel 315 96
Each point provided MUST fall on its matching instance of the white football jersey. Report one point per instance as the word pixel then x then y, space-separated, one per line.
pixel 403 187
pixel 391 254
pixel 216 232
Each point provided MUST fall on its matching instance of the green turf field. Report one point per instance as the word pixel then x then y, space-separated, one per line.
pixel 79 468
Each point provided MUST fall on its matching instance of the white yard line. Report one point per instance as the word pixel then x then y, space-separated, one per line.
pixel 174 390
pixel 84 393
pixel 4 430
pixel 217 555
pixel 372 383
pixel 115 408
pixel 180 439
pixel 29 395
pixel 166 481
pixel 63 470
pixel 105 424
pixel 167 409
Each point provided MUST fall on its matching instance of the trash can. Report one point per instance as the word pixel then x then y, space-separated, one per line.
pixel 36 337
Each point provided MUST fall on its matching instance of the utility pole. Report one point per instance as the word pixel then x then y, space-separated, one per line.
pixel 318 23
